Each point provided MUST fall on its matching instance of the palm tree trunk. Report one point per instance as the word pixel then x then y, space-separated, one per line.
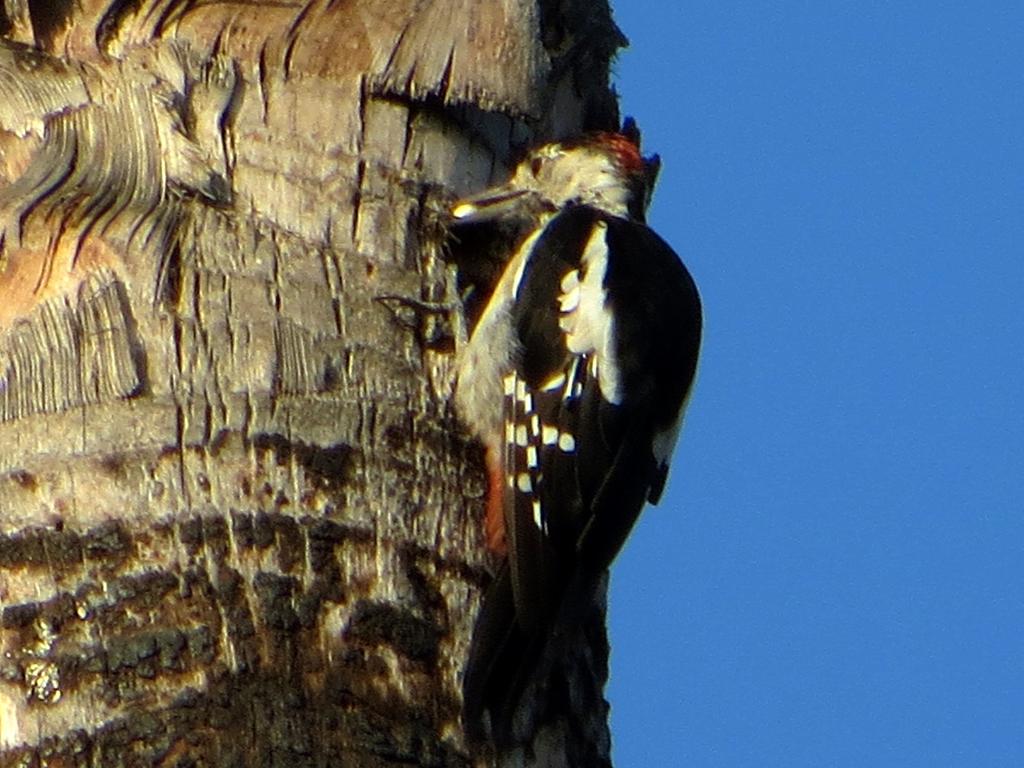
pixel 238 522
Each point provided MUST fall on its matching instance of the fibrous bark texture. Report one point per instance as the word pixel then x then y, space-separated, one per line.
pixel 238 523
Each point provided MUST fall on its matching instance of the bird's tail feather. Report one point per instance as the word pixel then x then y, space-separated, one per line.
pixel 501 660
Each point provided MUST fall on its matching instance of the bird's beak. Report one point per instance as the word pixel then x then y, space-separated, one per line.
pixel 490 204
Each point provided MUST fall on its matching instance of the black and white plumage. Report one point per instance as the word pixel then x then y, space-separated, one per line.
pixel 575 378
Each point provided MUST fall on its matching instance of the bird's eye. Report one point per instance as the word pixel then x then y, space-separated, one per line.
pixel 535 165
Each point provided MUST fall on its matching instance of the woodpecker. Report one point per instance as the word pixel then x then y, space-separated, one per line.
pixel 575 379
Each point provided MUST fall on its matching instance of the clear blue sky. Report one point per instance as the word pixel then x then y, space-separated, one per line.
pixel 836 577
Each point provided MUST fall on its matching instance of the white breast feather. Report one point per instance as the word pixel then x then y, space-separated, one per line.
pixel 488 355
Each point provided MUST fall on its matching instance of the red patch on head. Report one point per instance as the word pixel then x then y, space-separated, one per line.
pixel 627 153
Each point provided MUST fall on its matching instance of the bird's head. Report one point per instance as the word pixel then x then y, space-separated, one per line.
pixel 603 170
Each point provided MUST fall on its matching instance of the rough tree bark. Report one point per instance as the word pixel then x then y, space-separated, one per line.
pixel 238 524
